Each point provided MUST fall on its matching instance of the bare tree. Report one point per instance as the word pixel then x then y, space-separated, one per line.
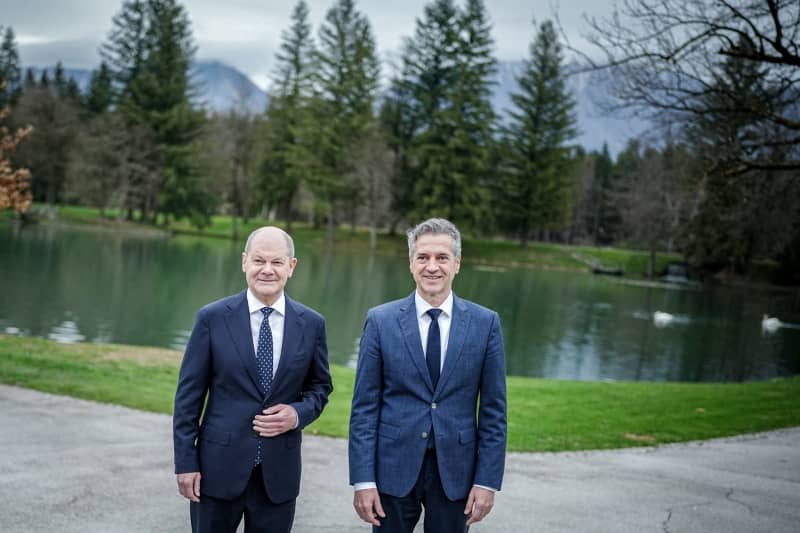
pixel 668 56
pixel 373 167
pixel 110 164
pixel 655 199
pixel 55 123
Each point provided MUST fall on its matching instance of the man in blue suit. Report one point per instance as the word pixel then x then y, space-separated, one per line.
pixel 428 421
pixel 256 370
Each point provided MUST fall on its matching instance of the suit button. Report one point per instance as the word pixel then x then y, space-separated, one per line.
pixel 433 405
pixel 424 435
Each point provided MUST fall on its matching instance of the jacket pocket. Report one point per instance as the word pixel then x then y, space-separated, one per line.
pixel 389 431
pixel 466 436
pixel 217 437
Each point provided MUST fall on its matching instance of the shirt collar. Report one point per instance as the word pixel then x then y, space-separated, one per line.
pixel 423 306
pixel 254 304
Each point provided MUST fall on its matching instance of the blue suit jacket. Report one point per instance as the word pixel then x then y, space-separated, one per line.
pixel 219 369
pixel 395 406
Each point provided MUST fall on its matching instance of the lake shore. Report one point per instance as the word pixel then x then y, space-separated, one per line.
pixel 497 253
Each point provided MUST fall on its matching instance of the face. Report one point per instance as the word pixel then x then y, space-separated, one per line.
pixel 267 265
pixel 434 265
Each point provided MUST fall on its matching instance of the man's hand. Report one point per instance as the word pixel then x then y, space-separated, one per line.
pixel 189 485
pixel 275 420
pixel 479 502
pixel 368 506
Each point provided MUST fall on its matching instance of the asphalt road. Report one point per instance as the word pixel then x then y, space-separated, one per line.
pixel 70 465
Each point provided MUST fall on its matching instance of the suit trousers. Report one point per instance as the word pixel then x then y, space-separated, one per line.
pixel 442 515
pixel 212 515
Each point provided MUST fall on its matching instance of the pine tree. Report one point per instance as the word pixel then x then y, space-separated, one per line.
pixel 604 218
pixel 473 144
pixel 9 69
pixel 430 72
pixel 125 49
pixel 439 116
pixel 348 76
pixel 397 120
pixel 44 79
pixel 100 94
pixel 149 53
pixel 538 180
pixel 285 162
pixel 30 79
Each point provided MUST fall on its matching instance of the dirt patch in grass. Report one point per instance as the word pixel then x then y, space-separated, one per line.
pixel 143 355
pixel 649 439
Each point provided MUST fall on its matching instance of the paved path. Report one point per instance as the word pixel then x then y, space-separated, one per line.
pixel 69 465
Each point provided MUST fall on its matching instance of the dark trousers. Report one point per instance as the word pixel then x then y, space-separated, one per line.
pixel 441 514
pixel 212 515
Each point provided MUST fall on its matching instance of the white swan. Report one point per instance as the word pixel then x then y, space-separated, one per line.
pixel 770 324
pixel 662 319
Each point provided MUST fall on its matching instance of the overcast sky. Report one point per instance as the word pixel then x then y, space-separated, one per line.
pixel 246 33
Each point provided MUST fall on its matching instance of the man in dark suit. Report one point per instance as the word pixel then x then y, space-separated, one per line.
pixel 426 364
pixel 256 369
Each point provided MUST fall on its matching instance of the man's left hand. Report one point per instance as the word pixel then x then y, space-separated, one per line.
pixel 479 502
pixel 275 420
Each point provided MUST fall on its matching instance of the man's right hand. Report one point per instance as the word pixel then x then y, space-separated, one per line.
pixel 189 485
pixel 368 506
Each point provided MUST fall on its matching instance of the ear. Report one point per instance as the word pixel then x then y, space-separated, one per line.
pixel 457 268
pixel 244 261
pixel 292 264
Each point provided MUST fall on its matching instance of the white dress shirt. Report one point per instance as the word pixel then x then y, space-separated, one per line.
pixel 276 321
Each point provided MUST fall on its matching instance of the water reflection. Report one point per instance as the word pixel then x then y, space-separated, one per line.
pixel 106 287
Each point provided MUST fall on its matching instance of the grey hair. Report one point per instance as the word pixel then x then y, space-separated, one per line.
pixel 434 226
pixel 289 240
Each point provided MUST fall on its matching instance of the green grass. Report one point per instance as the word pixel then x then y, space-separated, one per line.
pixel 544 415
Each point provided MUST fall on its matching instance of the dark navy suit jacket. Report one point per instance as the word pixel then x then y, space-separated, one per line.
pixel 395 406
pixel 219 370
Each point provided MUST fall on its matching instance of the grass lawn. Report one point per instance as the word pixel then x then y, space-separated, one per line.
pixel 543 415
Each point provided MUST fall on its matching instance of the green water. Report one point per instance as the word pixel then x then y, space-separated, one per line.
pixel 102 286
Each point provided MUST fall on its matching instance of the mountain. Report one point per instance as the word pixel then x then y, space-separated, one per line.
pixel 590 90
pixel 222 88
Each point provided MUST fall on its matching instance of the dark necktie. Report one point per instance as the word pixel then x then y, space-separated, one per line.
pixel 433 353
pixel 264 361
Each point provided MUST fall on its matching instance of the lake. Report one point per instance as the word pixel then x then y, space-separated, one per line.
pixel 97 285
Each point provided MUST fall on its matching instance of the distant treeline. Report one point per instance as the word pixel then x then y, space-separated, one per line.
pixel 721 185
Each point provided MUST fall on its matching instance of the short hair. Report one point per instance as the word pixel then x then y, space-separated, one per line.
pixel 434 226
pixel 289 241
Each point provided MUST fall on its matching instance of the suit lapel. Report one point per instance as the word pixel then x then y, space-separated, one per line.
pixel 293 330
pixel 459 327
pixel 238 322
pixel 409 325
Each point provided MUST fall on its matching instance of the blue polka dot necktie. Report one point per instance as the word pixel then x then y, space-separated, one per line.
pixel 264 361
pixel 433 352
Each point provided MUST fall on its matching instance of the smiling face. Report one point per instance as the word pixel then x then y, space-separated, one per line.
pixel 267 265
pixel 434 265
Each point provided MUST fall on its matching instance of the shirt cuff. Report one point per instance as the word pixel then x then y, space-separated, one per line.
pixel 364 485
pixel 485 487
